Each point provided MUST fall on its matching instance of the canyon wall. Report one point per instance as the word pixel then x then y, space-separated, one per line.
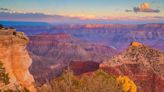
pixel 53 52
pixel 15 59
pixel 142 64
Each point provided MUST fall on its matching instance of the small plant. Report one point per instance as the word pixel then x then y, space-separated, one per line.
pixel 127 84
pixel 99 81
pixel 3 75
pixel 4 79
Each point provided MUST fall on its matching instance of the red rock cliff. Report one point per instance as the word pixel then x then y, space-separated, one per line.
pixel 15 59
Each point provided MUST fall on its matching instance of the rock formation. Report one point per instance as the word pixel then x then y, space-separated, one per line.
pixel 15 59
pixel 141 63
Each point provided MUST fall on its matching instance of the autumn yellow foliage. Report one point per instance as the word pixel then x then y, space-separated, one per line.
pixel 136 44
pixel 127 84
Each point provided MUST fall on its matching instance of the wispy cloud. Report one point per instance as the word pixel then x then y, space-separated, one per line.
pixel 159 17
pixel 4 9
pixel 39 17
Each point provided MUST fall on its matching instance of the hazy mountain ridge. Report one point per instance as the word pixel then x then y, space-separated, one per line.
pixel 113 35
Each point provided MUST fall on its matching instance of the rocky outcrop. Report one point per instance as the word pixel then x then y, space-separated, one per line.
pixel 144 65
pixel 141 63
pixel 15 59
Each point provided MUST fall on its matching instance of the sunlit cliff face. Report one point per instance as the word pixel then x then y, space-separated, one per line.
pixel 20 64
pixel 16 60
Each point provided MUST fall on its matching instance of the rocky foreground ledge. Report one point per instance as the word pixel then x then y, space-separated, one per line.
pixel 15 60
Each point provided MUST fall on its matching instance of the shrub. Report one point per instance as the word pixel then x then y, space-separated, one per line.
pixel 99 81
pixel 3 75
pixel 136 44
pixel 4 79
pixel 127 84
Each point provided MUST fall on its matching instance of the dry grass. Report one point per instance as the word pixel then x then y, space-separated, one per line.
pixel 99 82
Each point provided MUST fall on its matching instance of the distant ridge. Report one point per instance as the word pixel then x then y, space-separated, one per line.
pixel 23 23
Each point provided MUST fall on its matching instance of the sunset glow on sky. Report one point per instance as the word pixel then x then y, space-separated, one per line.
pixel 90 9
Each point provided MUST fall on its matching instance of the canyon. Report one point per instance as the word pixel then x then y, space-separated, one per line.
pixel 53 47
pixel 85 48
pixel 51 53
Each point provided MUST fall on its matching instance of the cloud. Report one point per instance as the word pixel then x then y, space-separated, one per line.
pixel 128 10
pixel 38 17
pixel 4 9
pixel 144 7
pixel 137 9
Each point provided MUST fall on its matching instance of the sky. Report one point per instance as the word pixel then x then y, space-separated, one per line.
pixel 101 10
